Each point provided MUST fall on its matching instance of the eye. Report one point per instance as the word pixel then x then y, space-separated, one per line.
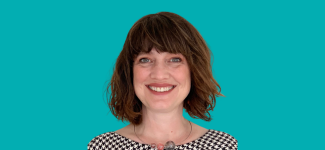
pixel 175 60
pixel 144 60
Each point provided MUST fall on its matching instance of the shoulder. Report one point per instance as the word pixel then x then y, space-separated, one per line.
pixel 221 138
pixel 111 136
pixel 102 141
pixel 220 134
pixel 113 140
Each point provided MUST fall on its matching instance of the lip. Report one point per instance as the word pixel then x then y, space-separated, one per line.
pixel 160 85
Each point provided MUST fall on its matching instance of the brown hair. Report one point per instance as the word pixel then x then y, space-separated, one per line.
pixel 167 32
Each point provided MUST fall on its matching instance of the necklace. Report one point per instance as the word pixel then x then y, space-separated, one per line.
pixel 170 145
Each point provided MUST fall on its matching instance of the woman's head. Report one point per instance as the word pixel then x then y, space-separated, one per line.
pixel 159 41
pixel 161 80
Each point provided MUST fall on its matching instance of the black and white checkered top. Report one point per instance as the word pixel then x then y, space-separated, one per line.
pixel 215 140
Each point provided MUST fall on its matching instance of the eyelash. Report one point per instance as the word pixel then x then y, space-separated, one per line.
pixel 176 58
pixel 179 60
pixel 140 60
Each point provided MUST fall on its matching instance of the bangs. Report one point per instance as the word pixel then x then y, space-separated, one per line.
pixel 159 32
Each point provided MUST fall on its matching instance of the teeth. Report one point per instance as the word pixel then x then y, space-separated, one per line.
pixel 161 89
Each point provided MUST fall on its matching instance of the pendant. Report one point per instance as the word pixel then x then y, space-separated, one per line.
pixel 170 145
pixel 153 146
pixel 160 146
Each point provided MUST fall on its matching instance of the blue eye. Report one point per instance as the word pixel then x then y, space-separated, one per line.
pixel 144 60
pixel 175 60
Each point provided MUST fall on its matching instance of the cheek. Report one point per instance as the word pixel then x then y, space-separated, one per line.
pixel 187 78
pixel 139 76
pixel 136 82
pixel 188 81
pixel 183 76
pixel 136 77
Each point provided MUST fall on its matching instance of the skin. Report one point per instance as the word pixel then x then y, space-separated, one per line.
pixel 163 113
pixel 158 68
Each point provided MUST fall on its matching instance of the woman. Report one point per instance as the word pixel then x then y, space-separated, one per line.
pixel 164 67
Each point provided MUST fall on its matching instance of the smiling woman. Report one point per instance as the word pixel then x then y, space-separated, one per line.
pixel 163 68
pixel 162 82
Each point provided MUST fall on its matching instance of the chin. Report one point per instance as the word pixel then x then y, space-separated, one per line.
pixel 161 106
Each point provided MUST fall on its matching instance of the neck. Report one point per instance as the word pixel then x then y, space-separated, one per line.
pixel 160 127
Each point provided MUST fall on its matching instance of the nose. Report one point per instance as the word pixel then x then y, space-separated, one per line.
pixel 159 71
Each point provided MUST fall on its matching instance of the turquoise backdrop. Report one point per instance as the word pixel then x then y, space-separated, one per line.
pixel 57 56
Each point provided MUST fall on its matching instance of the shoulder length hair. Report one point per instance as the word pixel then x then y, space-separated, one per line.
pixel 167 32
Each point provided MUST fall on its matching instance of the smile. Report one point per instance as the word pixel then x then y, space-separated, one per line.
pixel 161 89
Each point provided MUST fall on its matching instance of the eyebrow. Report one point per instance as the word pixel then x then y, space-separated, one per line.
pixel 142 53
pixel 177 54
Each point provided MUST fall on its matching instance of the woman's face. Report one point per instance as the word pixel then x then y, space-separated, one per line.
pixel 161 80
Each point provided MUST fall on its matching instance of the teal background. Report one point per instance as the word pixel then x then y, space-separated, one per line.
pixel 57 56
